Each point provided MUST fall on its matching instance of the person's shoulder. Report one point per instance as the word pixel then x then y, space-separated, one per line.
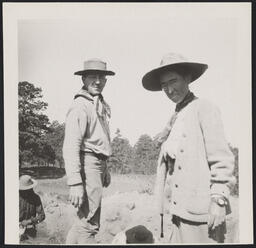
pixel 80 103
pixel 37 198
pixel 205 105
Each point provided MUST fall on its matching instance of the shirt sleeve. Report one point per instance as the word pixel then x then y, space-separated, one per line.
pixel 219 155
pixel 40 215
pixel 75 127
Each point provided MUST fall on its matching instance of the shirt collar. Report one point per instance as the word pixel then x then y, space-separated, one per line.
pixel 187 99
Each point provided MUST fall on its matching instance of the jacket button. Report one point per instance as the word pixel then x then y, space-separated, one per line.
pixel 181 150
pixel 176 185
pixel 179 167
pixel 174 202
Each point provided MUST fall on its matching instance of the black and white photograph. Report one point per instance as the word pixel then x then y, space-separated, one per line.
pixel 127 123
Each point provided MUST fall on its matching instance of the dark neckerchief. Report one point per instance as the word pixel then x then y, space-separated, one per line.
pixel 187 99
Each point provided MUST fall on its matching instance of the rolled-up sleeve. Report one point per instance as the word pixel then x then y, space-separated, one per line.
pixel 75 127
pixel 40 215
pixel 219 156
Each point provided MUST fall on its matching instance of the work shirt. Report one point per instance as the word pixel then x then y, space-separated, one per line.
pixel 30 207
pixel 87 130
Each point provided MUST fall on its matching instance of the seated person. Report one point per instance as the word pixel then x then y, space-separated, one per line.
pixel 31 208
pixel 135 235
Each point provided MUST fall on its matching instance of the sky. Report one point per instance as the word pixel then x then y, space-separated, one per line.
pixel 132 40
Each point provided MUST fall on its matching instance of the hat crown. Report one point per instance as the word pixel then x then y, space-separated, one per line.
pixel 95 64
pixel 172 58
pixel 26 180
pixel 141 234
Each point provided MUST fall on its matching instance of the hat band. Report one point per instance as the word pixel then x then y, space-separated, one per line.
pixel 92 65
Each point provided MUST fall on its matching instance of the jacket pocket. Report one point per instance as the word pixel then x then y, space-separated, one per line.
pixel 198 204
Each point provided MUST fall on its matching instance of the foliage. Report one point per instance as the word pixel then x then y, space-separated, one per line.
pixel 33 125
pixel 145 155
pixel 235 189
pixel 55 138
pixel 120 161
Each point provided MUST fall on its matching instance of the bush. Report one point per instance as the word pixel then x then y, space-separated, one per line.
pixel 235 189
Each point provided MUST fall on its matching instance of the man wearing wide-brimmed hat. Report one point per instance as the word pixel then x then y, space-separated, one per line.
pixel 194 152
pixel 31 211
pixel 85 150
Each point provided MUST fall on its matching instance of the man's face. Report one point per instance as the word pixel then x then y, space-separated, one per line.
pixel 174 85
pixel 94 83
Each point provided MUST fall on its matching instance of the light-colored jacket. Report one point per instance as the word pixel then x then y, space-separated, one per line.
pixel 85 130
pixel 204 163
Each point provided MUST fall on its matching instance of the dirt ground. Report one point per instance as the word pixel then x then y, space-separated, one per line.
pixel 127 202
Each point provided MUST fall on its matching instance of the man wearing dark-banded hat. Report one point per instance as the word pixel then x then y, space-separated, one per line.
pixel 85 150
pixel 195 154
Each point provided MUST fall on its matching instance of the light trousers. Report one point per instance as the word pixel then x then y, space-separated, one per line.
pixel 87 223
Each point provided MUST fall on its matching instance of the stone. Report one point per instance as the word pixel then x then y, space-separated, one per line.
pixel 130 206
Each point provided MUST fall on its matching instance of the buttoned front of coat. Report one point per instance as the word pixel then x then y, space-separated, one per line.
pixel 204 162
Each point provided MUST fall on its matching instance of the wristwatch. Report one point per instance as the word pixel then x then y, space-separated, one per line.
pixel 220 201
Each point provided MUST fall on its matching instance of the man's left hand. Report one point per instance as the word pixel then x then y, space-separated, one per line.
pixel 107 179
pixel 217 215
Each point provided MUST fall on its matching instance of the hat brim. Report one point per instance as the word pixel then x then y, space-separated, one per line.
pixel 84 72
pixel 22 187
pixel 150 80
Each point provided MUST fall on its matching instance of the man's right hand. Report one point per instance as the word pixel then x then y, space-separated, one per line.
pixel 76 195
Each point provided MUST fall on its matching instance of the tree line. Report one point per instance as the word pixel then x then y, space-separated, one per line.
pixel 40 141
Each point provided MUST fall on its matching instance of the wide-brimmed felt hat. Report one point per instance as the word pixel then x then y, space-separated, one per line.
pixel 139 234
pixel 172 61
pixel 95 65
pixel 26 182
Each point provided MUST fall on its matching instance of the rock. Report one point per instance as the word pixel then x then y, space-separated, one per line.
pixel 52 239
pixel 114 229
pixel 55 204
pixel 50 210
pixel 167 211
pixel 112 219
pixel 149 219
pixel 130 206
pixel 123 226
pixel 113 215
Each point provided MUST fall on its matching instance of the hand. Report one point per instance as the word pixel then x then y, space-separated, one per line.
pixel 24 223
pixel 107 179
pixel 76 195
pixel 217 215
pixel 165 152
pixel 161 137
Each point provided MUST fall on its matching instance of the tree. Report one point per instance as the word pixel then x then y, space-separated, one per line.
pixel 145 155
pixel 55 138
pixel 120 161
pixel 33 124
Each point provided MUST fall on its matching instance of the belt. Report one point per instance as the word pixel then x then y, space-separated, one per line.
pixel 97 155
